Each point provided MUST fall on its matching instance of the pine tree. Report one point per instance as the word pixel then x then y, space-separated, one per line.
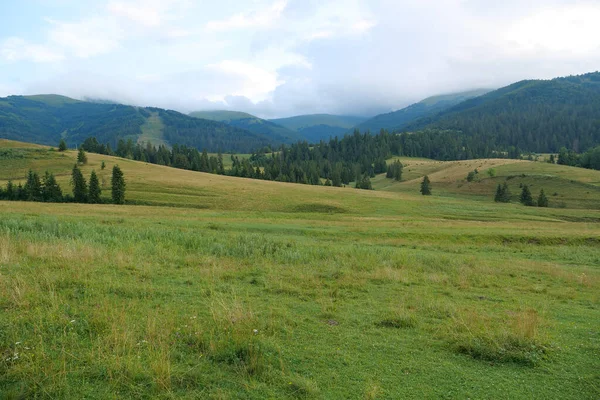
pixel 526 198
pixel 499 194
pixel 33 187
pixel 426 186
pixel 542 199
pixel 80 189
pixel 81 156
pixel 62 146
pixel 11 191
pixel 103 165
pixel 95 191
pixel 118 185
pixel 51 191
pixel 502 194
pixel 364 183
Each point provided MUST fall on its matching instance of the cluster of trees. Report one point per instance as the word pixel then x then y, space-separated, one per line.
pixel 47 189
pixel 590 159
pixel 503 195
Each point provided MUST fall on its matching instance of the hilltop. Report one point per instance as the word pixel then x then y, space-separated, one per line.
pixel 316 127
pixel 251 123
pixel 46 119
pixel 428 107
pixel 532 115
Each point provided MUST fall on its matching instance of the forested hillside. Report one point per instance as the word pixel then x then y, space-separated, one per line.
pixel 252 124
pixel 316 127
pixel 428 107
pixel 46 119
pixel 536 115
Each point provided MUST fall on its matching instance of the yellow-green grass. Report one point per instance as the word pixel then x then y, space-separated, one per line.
pixel 567 187
pixel 290 291
pixel 152 131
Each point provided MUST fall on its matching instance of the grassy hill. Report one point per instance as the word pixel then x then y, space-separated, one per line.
pixel 534 115
pixel 316 127
pixel 235 288
pixel 428 107
pixel 45 119
pixel 252 124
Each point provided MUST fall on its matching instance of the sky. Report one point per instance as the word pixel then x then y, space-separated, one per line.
pixel 277 58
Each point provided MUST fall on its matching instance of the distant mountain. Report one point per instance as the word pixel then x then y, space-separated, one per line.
pixel 531 115
pixel 316 127
pixel 45 119
pixel 251 123
pixel 428 107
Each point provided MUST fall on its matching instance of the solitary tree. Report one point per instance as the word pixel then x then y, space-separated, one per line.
pixel 81 156
pixel 95 191
pixel 426 186
pixel 62 146
pixel 542 199
pixel 526 197
pixel 80 189
pixel 103 165
pixel 118 185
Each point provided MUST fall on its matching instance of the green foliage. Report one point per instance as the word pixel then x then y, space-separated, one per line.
pixel 491 172
pixel 538 116
pixel 94 191
pixel 80 188
pixel 33 187
pixel 425 186
pixel 425 108
pixel 502 194
pixel 51 191
pixel 62 146
pixel 394 171
pixel 542 199
pixel 526 198
pixel 118 185
pixel 472 175
pixel 364 183
pixel 81 156
pixel 102 165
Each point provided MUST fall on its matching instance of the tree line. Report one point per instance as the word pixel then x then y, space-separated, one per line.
pixel 47 189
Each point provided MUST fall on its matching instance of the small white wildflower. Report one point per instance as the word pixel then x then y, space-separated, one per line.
pixel 17 343
pixel 72 321
pixel 255 331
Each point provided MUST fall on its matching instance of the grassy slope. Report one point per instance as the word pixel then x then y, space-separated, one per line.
pixel 152 131
pixel 353 294
pixel 565 186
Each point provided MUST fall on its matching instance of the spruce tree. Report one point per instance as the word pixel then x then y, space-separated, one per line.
pixel 81 156
pixel 62 146
pixel 426 186
pixel 526 198
pixel 499 194
pixel 51 191
pixel 502 194
pixel 542 199
pixel 33 187
pixel 80 189
pixel 118 185
pixel 95 191
pixel 103 165
pixel 11 191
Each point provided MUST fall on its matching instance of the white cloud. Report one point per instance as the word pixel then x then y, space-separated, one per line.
pixel 17 49
pixel 86 38
pixel 136 12
pixel 259 19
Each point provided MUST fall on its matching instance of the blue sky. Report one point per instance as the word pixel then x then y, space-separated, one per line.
pixel 285 57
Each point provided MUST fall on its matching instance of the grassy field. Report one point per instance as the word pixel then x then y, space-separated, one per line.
pixel 236 288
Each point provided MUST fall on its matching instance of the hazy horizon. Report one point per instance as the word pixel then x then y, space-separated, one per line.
pixel 280 58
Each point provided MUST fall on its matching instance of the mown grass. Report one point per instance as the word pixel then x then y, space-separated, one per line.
pixel 288 291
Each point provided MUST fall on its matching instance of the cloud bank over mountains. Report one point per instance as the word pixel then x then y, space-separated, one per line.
pixel 277 58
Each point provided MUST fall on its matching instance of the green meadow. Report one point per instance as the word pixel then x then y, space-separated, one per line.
pixel 207 286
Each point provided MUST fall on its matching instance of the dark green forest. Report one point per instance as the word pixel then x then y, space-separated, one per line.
pixel 536 116
pixel 47 119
